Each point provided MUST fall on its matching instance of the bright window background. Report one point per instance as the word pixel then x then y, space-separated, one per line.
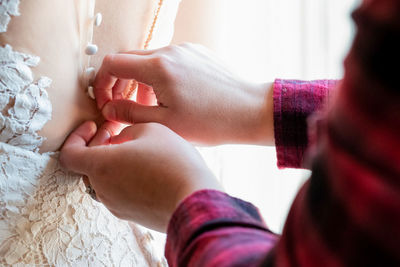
pixel 262 40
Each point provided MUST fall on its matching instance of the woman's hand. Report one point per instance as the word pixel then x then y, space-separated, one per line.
pixel 141 174
pixel 197 97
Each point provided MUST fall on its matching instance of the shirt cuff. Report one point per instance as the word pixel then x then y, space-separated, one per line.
pixel 206 210
pixel 294 102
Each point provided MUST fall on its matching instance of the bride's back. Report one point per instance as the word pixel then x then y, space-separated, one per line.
pixel 58 32
pixel 46 217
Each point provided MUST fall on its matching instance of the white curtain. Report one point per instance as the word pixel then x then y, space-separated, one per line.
pixel 263 40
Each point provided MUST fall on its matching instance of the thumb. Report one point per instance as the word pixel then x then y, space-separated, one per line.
pixel 75 154
pixel 127 111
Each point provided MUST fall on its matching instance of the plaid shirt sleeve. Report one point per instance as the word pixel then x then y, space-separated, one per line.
pixel 210 228
pixel 294 102
pixel 348 213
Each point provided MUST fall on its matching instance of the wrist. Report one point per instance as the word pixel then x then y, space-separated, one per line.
pixel 200 180
pixel 258 121
pixel 265 120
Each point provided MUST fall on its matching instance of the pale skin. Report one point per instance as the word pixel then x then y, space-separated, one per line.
pixel 142 173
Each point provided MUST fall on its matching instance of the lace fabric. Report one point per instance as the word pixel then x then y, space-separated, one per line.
pixel 46 218
pixel 24 104
pixel 8 8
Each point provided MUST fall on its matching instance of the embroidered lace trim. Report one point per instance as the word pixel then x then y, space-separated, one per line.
pixel 8 8
pixel 24 104
pixel 47 218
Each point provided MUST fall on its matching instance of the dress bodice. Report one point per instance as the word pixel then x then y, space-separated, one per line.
pixel 46 218
pixel 58 32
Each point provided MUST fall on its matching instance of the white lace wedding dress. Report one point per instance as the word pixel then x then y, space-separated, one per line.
pixel 46 218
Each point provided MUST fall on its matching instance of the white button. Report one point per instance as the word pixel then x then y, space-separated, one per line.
pixel 91 49
pixel 98 19
pixel 91 93
pixel 90 73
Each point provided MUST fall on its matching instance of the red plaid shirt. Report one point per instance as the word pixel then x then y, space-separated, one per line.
pixel 348 213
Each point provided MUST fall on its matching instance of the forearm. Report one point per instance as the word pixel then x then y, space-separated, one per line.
pixel 255 124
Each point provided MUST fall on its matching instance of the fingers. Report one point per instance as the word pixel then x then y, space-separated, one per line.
pixel 105 132
pixel 81 136
pixel 145 95
pixel 127 111
pixel 120 87
pixel 128 134
pixel 122 66
pixel 74 154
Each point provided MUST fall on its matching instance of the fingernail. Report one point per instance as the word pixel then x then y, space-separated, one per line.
pixel 109 112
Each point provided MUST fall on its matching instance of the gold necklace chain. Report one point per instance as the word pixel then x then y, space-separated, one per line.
pixel 134 84
pixel 153 25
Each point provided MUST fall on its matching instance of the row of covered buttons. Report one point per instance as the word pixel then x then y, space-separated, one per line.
pixel 90 50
